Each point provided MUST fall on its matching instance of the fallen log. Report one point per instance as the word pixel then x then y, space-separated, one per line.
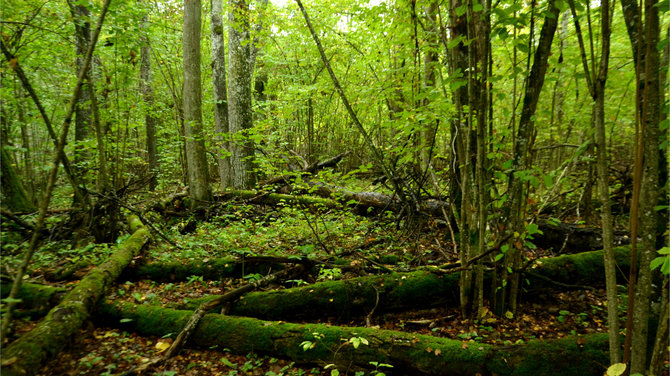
pixel 36 299
pixel 570 238
pixel 430 287
pixel 314 167
pixel 234 267
pixel 396 292
pixel 25 355
pixel 407 353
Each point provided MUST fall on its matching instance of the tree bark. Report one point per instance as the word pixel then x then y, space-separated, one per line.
pixel 240 116
pixel 83 112
pixel 220 94
pixel 150 119
pixel 25 355
pixel 198 180
pixel 649 197
pixel 15 196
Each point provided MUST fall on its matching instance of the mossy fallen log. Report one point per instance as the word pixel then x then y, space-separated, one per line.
pixel 235 267
pixel 408 353
pixel 36 299
pixel 25 355
pixel 344 299
pixel 570 238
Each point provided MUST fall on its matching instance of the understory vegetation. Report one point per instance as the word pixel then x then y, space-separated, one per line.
pixel 335 187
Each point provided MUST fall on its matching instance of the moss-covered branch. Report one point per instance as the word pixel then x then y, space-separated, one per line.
pixel 408 353
pixel 25 355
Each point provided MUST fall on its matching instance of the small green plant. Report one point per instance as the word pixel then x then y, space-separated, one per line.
pixel 330 274
pixel 357 341
pixel 194 278
pixel 562 314
pixel 306 345
pixel 377 366
pixel 253 277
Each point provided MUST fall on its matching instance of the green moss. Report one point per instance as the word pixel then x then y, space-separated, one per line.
pixel 408 353
pixel 213 269
pixel 55 331
pixel 36 299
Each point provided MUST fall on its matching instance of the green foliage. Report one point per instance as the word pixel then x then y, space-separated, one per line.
pixel 662 261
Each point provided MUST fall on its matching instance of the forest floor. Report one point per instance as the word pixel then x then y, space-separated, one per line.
pixel 102 348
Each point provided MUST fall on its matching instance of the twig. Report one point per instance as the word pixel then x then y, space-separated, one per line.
pixel 368 318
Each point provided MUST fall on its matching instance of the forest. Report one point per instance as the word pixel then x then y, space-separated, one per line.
pixel 334 187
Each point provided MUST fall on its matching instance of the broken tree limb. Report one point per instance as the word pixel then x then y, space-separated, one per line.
pixel 410 354
pixel 227 298
pixel 197 315
pixel 25 355
pixel 314 167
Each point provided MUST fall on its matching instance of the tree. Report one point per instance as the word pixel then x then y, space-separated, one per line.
pixel 15 196
pixel 240 115
pixel 220 93
pixel 514 211
pixel 84 112
pixel 199 190
pixel 596 78
pixel 150 119
pixel 644 37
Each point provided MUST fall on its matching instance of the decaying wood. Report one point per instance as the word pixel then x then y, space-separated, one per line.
pixel 230 296
pixel 569 238
pixel 408 353
pixel 288 178
pixel 25 355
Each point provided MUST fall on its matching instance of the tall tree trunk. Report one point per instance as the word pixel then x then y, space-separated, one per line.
pixel 240 116
pixel 195 144
pixel 596 78
pixel 515 210
pixel 83 112
pixel 603 186
pixel 150 118
pixel 649 189
pixel 430 61
pixel 220 94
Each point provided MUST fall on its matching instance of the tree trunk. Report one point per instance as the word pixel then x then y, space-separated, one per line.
pixel 83 112
pixel 649 197
pixel 198 181
pixel 220 94
pixel 15 197
pixel 150 119
pixel 514 211
pixel 25 355
pixel 240 115
pixel 408 353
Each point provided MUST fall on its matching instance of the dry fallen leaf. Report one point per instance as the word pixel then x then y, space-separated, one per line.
pixel 162 346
